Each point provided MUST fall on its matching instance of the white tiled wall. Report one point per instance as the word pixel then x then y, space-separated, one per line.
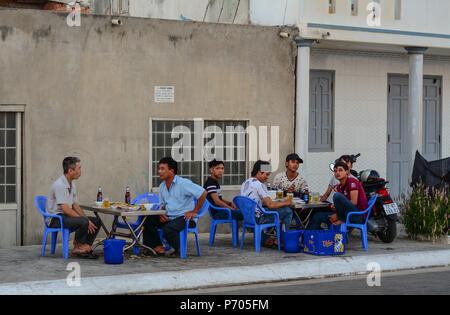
pixel 361 109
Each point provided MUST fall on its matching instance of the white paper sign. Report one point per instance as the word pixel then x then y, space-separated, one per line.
pixel 164 94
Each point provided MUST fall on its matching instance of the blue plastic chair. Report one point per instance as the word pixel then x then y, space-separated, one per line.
pixel 184 232
pixel 214 222
pixel 248 207
pixel 363 227
pixel 144 198
pixel 41 202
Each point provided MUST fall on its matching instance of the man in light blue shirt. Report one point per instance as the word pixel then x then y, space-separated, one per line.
pixel 176 196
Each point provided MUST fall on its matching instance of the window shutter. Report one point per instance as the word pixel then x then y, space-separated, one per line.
pixel 321 112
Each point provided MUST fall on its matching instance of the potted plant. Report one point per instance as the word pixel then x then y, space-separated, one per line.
pixel 425 212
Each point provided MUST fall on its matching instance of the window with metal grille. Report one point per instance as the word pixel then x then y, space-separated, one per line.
pixel 8 157
pixel 232 150
pixel 194 143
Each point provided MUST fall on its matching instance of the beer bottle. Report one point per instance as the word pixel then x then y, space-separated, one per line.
pixel 99 194
pixel 128 196
pixel 306 195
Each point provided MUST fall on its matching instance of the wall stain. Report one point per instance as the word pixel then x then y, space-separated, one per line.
pixel 175 39
pixel 140 183
pixel 99 31
pixel 42 33
pixel 5 31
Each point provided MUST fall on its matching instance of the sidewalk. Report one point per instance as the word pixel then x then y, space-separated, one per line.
pixel 23 271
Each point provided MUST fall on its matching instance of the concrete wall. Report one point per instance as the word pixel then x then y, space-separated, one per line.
pixel 361 98
pixel 88 92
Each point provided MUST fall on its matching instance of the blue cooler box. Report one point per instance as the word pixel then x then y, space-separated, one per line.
pixel 326 242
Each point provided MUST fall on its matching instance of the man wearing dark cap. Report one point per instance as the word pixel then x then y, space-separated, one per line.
pixel 291 181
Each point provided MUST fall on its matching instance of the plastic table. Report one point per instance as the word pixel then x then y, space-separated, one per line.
pixel 124 215
pixel 300 208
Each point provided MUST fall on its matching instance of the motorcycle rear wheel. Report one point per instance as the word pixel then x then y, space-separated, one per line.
pixel 388 231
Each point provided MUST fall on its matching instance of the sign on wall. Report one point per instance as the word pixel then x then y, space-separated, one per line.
pixel 164 94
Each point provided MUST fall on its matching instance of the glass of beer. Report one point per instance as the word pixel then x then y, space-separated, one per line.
pixel 280 194
pixel 290 196
pixel 106 203
pixel 316 197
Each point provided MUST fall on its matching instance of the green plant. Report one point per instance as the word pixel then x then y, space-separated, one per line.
pixel 425 212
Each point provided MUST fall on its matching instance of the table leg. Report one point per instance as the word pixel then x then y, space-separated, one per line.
pixel 307 220
pixel 108 233
pixel 136 237
pixel 304 223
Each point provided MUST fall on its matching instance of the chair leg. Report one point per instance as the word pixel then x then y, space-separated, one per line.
pixel 54 238
pixel 183 243
pixel 44 243
pixel 344 231
pixel 242 239
pixel 278 237
pixel 212 233
pixel 257 238
pixel 198 244
pixel 136 249
pixel 364 238
pixel 65 243
pixel 234 233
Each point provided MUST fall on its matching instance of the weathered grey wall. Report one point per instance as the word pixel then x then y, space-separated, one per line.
pixel 88 91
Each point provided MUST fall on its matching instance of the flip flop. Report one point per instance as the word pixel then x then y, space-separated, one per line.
pixel 88 255
pixel 147 252
pixel 174 255
pixel 269 243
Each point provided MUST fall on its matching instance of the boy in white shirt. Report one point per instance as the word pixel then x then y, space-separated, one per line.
pixel 255 189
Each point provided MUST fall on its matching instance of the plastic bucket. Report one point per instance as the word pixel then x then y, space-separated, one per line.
pixel 291 241
pixel 113 249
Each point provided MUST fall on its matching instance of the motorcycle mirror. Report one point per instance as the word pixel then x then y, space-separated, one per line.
pixel 332 167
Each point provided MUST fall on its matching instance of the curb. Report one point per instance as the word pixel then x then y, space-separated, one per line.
pixel 204 278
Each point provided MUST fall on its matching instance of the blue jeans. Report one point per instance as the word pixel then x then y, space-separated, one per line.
pixel 223 215
pixel 343 207
pixel 285 214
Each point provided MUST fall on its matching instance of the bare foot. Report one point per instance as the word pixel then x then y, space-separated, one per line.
pixel 79 250
pixel 85 248
pixel 159 249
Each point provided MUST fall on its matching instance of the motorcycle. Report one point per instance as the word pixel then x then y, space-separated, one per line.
pixel 383 217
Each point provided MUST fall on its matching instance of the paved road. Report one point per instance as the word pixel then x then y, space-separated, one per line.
pixel 423 281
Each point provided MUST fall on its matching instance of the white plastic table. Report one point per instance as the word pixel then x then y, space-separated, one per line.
pixel 124 214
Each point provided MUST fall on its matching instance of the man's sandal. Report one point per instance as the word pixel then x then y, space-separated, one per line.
pixel 88 255
pixel 174 255
pixel 269 243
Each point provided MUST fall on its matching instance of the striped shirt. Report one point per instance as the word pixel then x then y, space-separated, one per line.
pixel 212 186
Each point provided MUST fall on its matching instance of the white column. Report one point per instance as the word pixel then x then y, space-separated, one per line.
pixel 302 100
pixel 415 106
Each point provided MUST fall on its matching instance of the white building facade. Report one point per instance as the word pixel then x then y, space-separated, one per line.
pixel 372 76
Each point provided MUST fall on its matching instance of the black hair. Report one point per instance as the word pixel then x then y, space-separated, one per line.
pixel 69 163
pixel 346 158
pixel 214 163
pixel 345 166
pixel 171 163
pixel 257 167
